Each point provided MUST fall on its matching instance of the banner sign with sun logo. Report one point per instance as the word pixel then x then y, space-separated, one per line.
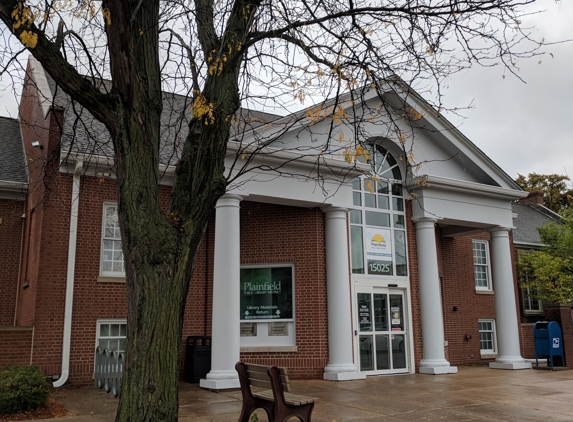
pixel 379 251
pixel 266 293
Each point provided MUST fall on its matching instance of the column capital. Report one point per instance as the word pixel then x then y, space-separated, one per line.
pixel 229 200
pixel 328 209
pixel 424 222
pixel 499 232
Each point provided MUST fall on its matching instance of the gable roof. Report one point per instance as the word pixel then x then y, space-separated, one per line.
pixel 402 98
pixel 84 135
pixel 529 218
pixel 12 160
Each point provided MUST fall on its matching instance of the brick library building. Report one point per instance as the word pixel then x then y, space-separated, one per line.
pixel 375 272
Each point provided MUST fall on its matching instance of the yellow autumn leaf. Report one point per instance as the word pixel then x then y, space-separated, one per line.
pixel 29 39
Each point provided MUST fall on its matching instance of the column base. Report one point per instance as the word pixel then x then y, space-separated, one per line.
pixel 437 367
pixel 438 370
pixel 342 373
pixel 344 376
pixel 220 384
pixel 512 366
pixel 221 380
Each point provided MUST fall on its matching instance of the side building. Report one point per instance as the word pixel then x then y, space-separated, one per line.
pixel 530 214
pixel 370 272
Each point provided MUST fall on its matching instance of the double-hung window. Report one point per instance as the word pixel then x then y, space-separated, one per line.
pixel 111 252
pixel 482 271
pixel 487 337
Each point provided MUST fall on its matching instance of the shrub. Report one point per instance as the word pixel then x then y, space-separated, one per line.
pixel 22 388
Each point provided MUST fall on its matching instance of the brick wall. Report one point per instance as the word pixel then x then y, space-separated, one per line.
pixel 564 316
pixel 526 340
pixel 458 289
pixel 272 234
pixel 16 345
pixel 269 234
pixel 11 225
pixel 414 285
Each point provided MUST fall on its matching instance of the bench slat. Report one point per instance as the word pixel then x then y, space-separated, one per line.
pixel 263 368
pixel 298 399
pixel 290 399
pixel 260 383
pixel 256 368
pixel 265 376
pixel 256 375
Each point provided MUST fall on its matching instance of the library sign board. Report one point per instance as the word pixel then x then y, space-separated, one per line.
pixel 266 293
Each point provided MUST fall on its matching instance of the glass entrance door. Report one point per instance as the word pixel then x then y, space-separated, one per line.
pixel 382 332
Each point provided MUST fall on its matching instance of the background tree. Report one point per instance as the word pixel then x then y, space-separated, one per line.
pixel 548 273
pixel 222 55
pixel 557 191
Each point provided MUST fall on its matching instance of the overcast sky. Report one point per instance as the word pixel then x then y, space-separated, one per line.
pixel 522 127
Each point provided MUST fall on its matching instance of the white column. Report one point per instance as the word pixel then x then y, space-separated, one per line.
pixel 340 357
pixel 434 361
pixel 225 342
pixel 509 355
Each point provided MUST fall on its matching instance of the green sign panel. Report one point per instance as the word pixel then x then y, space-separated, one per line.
pixel 266 293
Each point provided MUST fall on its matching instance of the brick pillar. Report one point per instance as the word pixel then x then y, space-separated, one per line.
pixel 562 314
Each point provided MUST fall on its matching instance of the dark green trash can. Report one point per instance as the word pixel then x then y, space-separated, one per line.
pixel 198 359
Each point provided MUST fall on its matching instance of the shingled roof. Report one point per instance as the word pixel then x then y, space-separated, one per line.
pixel 12 160
pixel 529 218
pixel 83 134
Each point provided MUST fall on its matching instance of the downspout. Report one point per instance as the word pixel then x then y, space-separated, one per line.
pixel 70 276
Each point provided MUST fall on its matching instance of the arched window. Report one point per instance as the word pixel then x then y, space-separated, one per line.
pixel 385 165
pixel 378 221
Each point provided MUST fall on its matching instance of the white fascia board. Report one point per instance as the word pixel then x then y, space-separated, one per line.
pixel 278 156
pixel 91 163
pixel 99 165
pixel 443 183
pixel 531 245
pixel 555 215
pixel 13 186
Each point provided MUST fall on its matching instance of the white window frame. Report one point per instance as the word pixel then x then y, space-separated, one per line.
pixel 262 341
pixel 387 178
pixel 528 300
pixel 101 322
pixel 493 350
pixel 102 272
pixel 487 265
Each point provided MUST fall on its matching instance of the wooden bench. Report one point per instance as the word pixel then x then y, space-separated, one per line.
pixel 276 399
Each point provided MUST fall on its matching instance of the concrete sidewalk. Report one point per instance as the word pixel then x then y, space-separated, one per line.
pixel 474 394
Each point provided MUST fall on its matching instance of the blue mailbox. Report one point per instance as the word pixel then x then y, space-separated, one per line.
pixel 548 341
